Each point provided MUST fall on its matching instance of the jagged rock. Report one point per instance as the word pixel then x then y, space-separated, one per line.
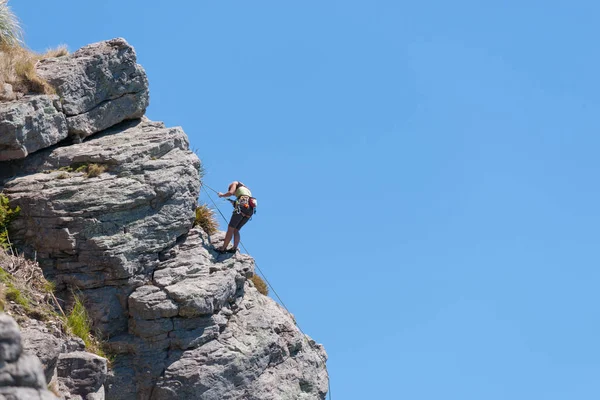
pixel 261 355
pixel 7 93
pixel 47 347
pixel 149 302
pixel 26 371
pixel 15 393
pixel 100 85
pixel 104 234
pixel 82 375
pixel 21 374
pixel 73 344
pixel 30 124
pixel 183 320
pixel 210 325
pixel 10 339
pixel 197 284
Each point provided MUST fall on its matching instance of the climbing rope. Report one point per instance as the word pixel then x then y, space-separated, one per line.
pixel 203 185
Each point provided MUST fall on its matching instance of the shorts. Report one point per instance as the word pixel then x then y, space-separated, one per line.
pixel 238 220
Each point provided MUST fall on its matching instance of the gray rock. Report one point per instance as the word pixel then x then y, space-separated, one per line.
pixel 21 374
pixel 10 339
pixel 121 382
pixel 197 284
pixel 100 85
pixel 6 92
pixel 38 341
pixel 30 124
pixel 150 302
pixel 73 344
pixel 155 328
pixel 83 375
pixel 17 393
pixel 189 333
pixel 26 371
pixel 104 234
pixel 182 320
pixel 261 354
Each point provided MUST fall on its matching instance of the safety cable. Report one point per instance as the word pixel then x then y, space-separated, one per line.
pixel 202 185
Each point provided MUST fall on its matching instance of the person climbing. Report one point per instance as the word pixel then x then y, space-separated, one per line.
pixel 243 209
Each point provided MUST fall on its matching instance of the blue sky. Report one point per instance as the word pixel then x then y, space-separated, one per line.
pixel 426 174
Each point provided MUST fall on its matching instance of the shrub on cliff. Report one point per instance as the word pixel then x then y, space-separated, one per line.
pixel 17 64
pixel 7 214
pixel 10 29
pixel 79 324
pixel 260 284
pixel 205 218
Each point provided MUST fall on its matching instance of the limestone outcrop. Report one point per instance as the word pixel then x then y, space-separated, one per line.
pixel 97 87
pixel 100 85
pixel 21 374
pixel 111 216
pixel 30 124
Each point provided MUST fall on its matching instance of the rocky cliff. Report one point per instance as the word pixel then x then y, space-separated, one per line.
pixel 107 202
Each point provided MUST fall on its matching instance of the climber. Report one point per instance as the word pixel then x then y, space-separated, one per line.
pixel 243 208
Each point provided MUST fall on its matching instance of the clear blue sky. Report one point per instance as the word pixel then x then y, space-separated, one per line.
pixel 427 173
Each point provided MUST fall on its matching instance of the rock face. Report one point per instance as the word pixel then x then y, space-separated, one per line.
pixel 76 374
pixel 112 217
pixel 259 355
pixel 30 124
pixel 21 374
pixel 103 234
pixel 47 347
pixel 97 87
pixel 100 85
pixel 82 375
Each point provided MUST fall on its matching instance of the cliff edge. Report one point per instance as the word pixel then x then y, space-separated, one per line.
pixel 107 201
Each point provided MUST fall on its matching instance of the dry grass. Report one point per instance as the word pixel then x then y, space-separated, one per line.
pixel 23 285
pixel 10 28
pixel 53 387
pixel 17 68
pixel 2 297
pixel 94 170
pixel 205 218
pixel 17 64
pixel 59 51
pixel 259 284
pixel 25 291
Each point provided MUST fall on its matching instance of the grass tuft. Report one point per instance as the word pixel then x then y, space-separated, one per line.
pixel 17 64
pixel 79 324
pixel 94 170
pixel 17 68
pixel 14 294
pixel 259 284
pixel 59 51
pixel 2 297
pixel 78 320
pixel 10 29
pixel 205 218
